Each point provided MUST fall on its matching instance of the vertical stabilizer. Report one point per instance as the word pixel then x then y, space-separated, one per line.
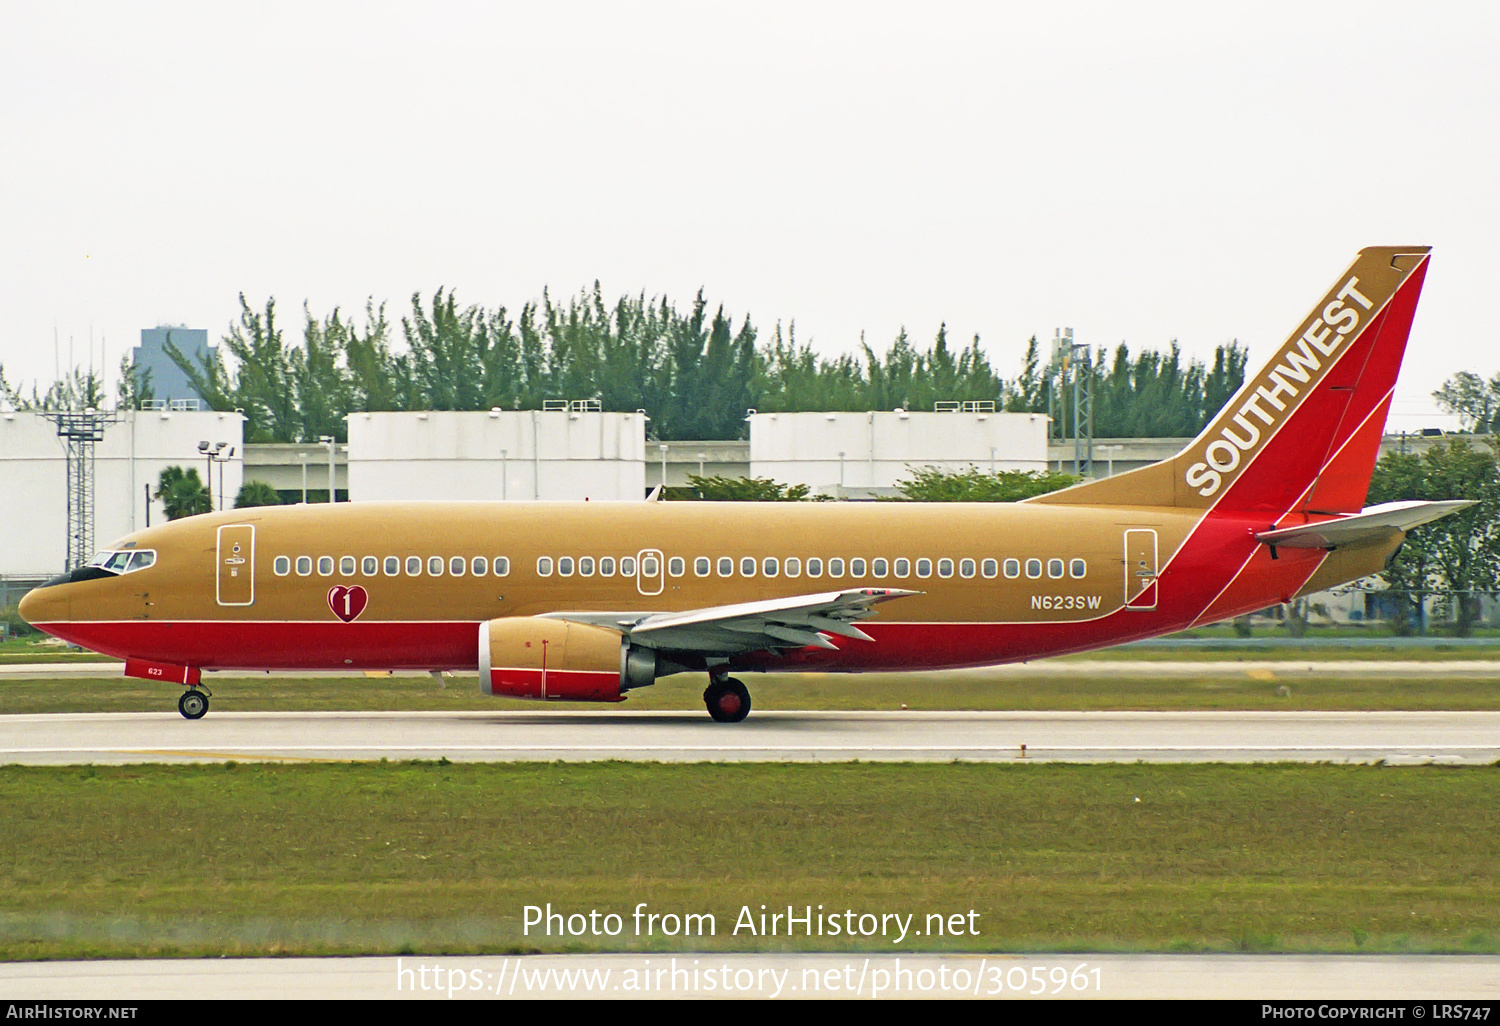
pixel 1304 432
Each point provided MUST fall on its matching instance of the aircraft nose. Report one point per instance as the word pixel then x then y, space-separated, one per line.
pixel 43 605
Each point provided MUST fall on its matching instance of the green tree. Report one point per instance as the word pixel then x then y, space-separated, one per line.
pixel 256 493
pixel 134 387
pixel 1459 554
pixel 931 484
pixel 741 489
pixel 182 494
pixel 1474 400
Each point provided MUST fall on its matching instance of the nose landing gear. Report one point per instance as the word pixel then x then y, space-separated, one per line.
pixel 727 699
pixel 193 703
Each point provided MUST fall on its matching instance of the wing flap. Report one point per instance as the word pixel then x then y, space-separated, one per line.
pixel 795 621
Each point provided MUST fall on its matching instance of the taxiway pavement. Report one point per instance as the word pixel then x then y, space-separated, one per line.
pixel 587 735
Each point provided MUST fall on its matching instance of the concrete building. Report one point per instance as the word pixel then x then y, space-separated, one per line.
pixel 572 453
pixel 299 470
pixel 158 372
pixel 864 455
pixel 675 463
pixel 130 459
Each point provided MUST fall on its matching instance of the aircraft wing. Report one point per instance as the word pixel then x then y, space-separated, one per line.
pixel 792 622
pixel 1368 525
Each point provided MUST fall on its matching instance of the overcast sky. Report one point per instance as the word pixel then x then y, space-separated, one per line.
pixel 1140 172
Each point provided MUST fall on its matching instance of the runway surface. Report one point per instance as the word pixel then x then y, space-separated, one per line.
pixel 1396 978
pixel 586 735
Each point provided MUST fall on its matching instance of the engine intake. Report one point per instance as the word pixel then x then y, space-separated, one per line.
pixel 534 657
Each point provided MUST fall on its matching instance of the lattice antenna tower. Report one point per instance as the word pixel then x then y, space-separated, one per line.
pixel 80 431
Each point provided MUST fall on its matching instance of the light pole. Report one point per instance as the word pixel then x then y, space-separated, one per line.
pixel 663 469
pixel 332 447
pixel 303 457
pixel 504 484
pixel 214 452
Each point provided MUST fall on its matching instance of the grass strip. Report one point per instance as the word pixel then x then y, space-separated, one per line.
pixel 442 858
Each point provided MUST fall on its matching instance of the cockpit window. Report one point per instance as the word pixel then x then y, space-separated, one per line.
pixel 124 562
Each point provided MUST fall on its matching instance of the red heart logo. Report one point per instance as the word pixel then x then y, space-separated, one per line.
pixel 347 603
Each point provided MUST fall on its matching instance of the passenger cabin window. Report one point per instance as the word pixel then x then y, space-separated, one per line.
pixel 585 566
pixel 1012 568
pixel 649 566
pixel 793 566
pixel 282 566
pixel 479 566
pixel 392 566
pixel 814 567
pixel 768 566
pixel 966 568
pixel 606 566
pixel 627 566
pixel 856 568
pixel 544 566
pixel 370 566
pixel 1077 568
pixel 879 568
pixel 1033 568
pixel 702 566
pixel 325 566
pixel 502 566
pixel 924 568
pixel 346 565
pixel 676 567
pixel 1054 568
pixel 456 566
pixel 835 568
pixel 747 566
pixel 989 568
pixel 903 568
pixel 414 566
pixel 945 568
pixel 565 566
pixel 726 566
pixel 304 566
pixel 435 565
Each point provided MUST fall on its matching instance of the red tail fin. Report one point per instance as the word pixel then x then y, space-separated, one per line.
pixel 1303 433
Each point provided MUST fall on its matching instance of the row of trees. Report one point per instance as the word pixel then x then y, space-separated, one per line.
pixel 1458 555
pixel 694 371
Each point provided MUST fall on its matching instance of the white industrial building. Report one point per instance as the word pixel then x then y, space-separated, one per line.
pixel 864 455
pixel 129 460
pixel 575 452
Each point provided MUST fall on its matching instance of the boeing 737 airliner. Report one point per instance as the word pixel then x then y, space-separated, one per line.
pixel 588 601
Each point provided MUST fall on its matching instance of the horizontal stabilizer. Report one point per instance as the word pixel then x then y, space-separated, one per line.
pixel 1372 524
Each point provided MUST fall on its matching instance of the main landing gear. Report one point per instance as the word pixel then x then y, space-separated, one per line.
pixel 727 699
pixel 193 703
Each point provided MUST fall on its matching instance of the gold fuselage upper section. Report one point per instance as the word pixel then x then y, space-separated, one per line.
pixel 185 584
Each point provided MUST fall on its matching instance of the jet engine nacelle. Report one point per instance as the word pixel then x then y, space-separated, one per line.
pixel 534 657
